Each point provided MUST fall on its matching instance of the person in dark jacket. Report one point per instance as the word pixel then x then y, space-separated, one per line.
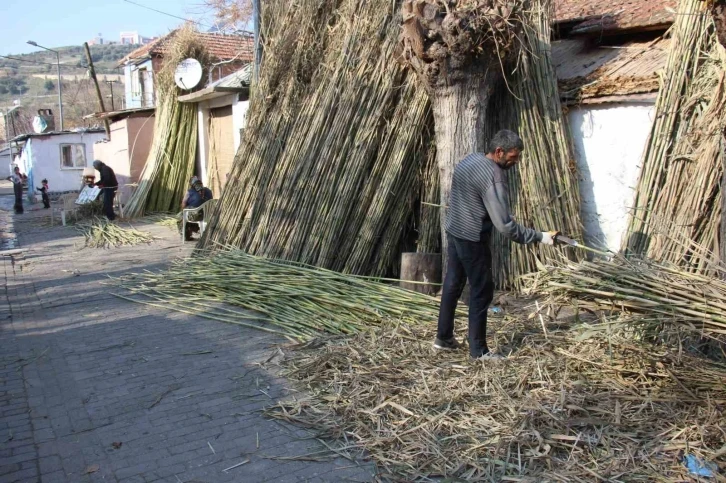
pixel 196 196
pixel 17 180
pixel 44 193
pixel 108 185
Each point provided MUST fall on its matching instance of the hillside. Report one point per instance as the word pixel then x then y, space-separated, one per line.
pixel 33 77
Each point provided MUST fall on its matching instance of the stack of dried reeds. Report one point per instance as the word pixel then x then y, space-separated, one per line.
pixel 566 406
pixel 429 217
pixel 288 298
pixel 327 170
pixel 101 233
pixel 678 196
pixel 337 131
pixel 543 187
pixel 640 287
pixel 170 164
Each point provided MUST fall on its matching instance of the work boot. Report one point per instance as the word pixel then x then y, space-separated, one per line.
pixel 446 344
pixel 488 356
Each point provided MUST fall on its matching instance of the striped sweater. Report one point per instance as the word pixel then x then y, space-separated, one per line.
pixel 479 200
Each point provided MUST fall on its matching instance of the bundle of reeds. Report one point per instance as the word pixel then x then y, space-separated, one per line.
pixel 101 233
pixel 327 170
pixel 429 225
pixel 566 406
pixel 288 298
pixel 679 191
pixel 640 286
pixel 543 187
pixel 170 164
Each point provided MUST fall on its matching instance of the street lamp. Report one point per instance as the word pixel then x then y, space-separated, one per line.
pixel 60 84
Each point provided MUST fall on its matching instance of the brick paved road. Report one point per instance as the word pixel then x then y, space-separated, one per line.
pixel 94 388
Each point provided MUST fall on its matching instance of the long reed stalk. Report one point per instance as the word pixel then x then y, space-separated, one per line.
pixel 293 299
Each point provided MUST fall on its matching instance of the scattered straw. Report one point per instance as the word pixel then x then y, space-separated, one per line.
pixel 562 408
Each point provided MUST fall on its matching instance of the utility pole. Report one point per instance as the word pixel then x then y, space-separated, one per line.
pixel 92 72
pixel 110 84
pixel 257 16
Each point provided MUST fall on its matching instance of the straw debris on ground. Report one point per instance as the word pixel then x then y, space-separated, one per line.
pixel 566 406
pixel 101 233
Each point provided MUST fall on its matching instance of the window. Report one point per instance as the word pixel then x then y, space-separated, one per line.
pixel 73 156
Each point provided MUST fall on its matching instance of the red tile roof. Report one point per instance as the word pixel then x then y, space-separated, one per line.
pixel 613 15
pixel 220 46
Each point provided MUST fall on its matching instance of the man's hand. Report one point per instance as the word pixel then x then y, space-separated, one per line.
pixel 548 237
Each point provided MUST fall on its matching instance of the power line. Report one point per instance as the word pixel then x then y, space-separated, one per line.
pixel 167 14
pixel 31 61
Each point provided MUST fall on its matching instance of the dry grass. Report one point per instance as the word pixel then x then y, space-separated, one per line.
pixel 569 406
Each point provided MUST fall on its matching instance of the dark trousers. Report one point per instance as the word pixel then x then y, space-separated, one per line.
pixel 18 191
pixel 46 200
pixel 472 261
pixel 108 195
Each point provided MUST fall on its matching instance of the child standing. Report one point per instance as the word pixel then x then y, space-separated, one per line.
pixel 44 193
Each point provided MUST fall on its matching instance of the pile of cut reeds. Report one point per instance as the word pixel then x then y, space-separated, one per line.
pixel 639 286
pixel 101 233
pixel 338 130
pixel 679 190
pixel 170 164
pixel 543 187
pixel 327 170
pixel 169 220
pixel 566 406
pixel 283 297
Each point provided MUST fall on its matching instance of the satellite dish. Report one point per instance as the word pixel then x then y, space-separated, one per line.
pixel 188 74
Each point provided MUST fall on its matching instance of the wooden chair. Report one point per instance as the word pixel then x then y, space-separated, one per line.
pixel 205 209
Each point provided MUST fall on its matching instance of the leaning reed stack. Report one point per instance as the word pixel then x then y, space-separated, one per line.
pixel 327 171
pixel 171 161
pixel 678 196
pixel 543 187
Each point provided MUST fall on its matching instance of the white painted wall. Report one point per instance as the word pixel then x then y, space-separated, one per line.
pixel 42 159
pixel 609 140
pixel 239 119
pixel 132 88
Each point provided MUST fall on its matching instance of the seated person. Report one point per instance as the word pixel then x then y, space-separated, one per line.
pixel 196 196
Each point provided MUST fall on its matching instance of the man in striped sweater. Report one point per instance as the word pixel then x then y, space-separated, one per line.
pixel 479 202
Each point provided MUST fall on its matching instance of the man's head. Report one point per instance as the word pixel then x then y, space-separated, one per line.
pixel 505 148
pixel 97 164
pixel 17 170
pixel 195 183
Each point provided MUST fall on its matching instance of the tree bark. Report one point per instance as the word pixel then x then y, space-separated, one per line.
pixel 459 115
pixel 421 267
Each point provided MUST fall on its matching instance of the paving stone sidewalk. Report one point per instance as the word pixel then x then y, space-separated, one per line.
pixel 94 388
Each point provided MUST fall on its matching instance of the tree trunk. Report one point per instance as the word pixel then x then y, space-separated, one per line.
pixel 459 115
pixel 421 267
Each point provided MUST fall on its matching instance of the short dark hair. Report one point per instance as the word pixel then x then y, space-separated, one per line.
pixel 507 140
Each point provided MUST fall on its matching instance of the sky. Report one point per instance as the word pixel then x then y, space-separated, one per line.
pixel 54 23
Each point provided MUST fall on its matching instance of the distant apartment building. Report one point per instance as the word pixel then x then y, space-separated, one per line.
pixel 98 40
pixel 134 38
